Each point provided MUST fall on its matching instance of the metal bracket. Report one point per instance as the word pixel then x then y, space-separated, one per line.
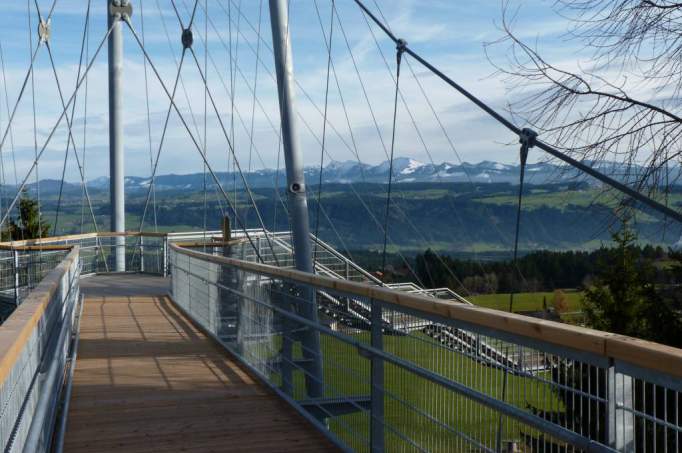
pixel 44 30
pixel 187 38
pixel 121 9
pixel 400 48
pixel 527 138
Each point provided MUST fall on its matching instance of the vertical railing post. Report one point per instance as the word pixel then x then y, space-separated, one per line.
pixel 15 256
pixel 141 253
pixel 377 380
pixel 619 417
pixel 347 270
pixel 164 265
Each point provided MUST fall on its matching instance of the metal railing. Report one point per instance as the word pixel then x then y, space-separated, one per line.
pixel 451 378
pixel 34 354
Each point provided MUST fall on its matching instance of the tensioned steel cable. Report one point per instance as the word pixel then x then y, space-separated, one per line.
pixel 171 48
pixel 11 135
pixel 247 188
pixel 352 149
pixel 71 138
pixel 21 94
pixel 324 128
pixel 234 66
pixel 399 57
pixel 205 114
pixel 236 162
pixel 152 181
pixel 11 132
pixel 170 107
pixel 527 141
pixel 73 111
pixel 35 120
pixel 236 109
pixel 651 203
pixel 428 153
pixel 84 184
pixel 253 101
pixel 155 164
pixel 337 133
pixel 70 130
pixel 192 137
pixel 22 186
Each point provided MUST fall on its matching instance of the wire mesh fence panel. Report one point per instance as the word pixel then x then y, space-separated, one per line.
pixel 376 374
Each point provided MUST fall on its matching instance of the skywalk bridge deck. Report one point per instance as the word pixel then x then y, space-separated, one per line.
pixel 148 379
pixel 213 360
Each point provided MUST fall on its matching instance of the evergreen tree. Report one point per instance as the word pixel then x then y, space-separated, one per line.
pixel 29 225
pixel 624 299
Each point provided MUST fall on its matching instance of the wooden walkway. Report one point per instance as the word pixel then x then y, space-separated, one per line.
pixel 148 380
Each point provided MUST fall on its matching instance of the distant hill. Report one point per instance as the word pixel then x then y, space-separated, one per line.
pixel 452 217
pixel 405 170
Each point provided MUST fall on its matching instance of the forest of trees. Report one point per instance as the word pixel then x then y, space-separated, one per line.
pixel 541 271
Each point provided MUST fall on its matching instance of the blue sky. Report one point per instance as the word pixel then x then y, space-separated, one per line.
pixel 450 33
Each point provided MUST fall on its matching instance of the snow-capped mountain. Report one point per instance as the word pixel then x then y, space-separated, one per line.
pixel 405 170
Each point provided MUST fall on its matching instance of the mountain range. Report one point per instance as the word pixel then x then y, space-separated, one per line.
pixel 405 170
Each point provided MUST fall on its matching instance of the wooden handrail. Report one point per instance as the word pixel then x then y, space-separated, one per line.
pixel 642 353
pixel 13 245
pixel 16 331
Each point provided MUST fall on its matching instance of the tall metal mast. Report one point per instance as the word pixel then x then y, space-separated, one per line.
pixel 117 11
pixel 296 189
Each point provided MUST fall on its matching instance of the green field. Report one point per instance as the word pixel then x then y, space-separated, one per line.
pixel 418 409
pixel 527 301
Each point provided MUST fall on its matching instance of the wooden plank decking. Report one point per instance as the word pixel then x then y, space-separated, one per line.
pixel 147 379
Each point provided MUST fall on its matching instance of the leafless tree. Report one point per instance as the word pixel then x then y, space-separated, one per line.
pixel 620 100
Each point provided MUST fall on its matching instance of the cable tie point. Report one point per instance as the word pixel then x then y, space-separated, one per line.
pixel 528 137
pixel 187 38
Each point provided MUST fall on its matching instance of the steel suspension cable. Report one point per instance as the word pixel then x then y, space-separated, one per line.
pixel 70 129
pixel 399 56
pixel 35 121
pixel 252 90
pixel 11 133
pixel 152 181
pixel 205 114
pixel 255 89
pixel 247 189
pixel 171 47
pixel 163 138
pixel 84 183
pixel 193 138
pixel 54 128
pixel 651 203
pixel 324 129
pixel 423 142
pixel 237 167
pixel 73 111
pixel 527 141
pixel 352 149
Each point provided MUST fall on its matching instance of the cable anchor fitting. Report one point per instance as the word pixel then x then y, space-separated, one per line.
pixel 121 9
pixel 527 138
pixel 187 38
pixel 400 47
pixel 44 30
